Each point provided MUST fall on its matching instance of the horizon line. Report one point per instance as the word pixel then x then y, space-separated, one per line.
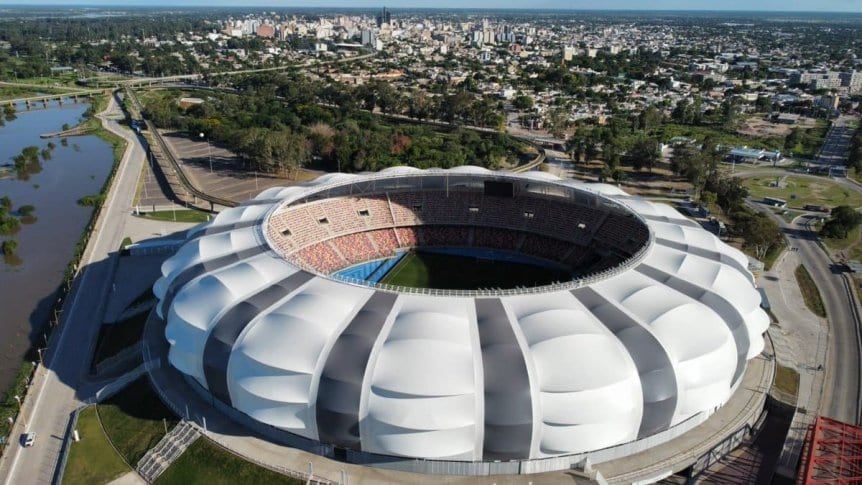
pixel 143 5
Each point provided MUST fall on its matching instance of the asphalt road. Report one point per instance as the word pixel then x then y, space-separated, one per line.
pixel 843 383
pixel 843 379
pixel 837 142
pixel 53 396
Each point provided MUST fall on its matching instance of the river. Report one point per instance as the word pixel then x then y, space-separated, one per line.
pixel 28 282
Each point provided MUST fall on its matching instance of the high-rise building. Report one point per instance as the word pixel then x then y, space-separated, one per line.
pixel 385 17
pixel 369 38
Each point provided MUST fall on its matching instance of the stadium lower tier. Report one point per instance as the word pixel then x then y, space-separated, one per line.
pixel 361 255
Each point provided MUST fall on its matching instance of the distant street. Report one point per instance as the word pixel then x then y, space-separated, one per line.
pixel 837 142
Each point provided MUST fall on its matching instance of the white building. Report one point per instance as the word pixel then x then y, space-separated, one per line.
pixel 598 367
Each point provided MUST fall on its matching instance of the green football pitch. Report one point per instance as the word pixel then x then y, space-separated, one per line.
pixel 443 271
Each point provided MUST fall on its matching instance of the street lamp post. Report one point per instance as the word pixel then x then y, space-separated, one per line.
pixel 209 151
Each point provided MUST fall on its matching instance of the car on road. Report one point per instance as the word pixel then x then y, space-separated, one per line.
pixel 28 439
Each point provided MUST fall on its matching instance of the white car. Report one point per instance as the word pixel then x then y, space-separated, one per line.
pixel 29 439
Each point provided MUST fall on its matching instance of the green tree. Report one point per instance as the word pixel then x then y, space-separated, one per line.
pixel 689 164
pixel 760 233
pixel 644 153
pixel 650 119
pixel 523 102
pixel 842 220
pixel 730 192
pixel 10 246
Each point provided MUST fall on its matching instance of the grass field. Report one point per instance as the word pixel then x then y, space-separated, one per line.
pixel 92 461
pixel 850 244
pixel 135 420
pixel 443 271
pixel 206 464
pixel 810 293
pixel 805 190
pixel 179 215
pixel 787 382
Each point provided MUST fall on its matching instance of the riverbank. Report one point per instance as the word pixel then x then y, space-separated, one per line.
pixel 9 405
pixel 99 105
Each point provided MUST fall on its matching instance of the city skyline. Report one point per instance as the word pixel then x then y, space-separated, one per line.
pixel 658 5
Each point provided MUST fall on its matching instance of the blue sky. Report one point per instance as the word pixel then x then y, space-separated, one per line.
pixel 767 5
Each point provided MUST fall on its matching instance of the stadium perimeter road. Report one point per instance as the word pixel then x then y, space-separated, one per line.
pixel 844 379
pixel 53 394
pixel 843 383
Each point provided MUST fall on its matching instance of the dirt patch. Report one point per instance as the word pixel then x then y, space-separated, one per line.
pixel 762 128
pixel 660 183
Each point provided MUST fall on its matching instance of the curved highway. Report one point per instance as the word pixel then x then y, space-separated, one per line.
pixel 843 386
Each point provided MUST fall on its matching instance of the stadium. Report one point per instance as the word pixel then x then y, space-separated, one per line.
pixel 462 319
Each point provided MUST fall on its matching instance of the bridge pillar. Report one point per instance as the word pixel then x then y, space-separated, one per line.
pixel 28 103
pixel 212 207
pixel 45 103
pixel 60 100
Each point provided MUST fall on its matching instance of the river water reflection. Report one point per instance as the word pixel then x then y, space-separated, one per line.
pixel 28 283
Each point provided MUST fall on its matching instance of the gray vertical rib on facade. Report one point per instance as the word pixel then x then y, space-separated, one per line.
pixel 704 253
pixel 658 379
pixel 210 230
pixel 226 330
pixel 196 270
pixel 340 388
pixel 508 402
pixel 727 312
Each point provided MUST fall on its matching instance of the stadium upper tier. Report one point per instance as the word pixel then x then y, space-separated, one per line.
pixel 655 329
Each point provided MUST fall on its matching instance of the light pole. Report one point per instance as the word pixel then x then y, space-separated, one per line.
pixel 210 151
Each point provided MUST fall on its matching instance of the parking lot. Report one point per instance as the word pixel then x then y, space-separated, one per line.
pixel 219 172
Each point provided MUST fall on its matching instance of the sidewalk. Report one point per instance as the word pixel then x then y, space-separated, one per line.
pixel 801 340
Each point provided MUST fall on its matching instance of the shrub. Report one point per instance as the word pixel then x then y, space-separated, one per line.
pixel 9 247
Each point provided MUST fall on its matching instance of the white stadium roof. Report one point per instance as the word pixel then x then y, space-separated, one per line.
pixel 547 372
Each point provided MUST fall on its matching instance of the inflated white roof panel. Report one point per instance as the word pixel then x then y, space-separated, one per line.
pixel 486 376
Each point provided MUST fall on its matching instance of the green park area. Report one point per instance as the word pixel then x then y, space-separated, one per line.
pixel 810 293
pixel 850 245
pixel 800 191
pixel 135 420
pixel 118 432
pixel 786 383
pixel 179 215
pixel 205 463
pixel 92 460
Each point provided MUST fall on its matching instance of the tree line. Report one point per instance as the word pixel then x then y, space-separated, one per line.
pixel 281 123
